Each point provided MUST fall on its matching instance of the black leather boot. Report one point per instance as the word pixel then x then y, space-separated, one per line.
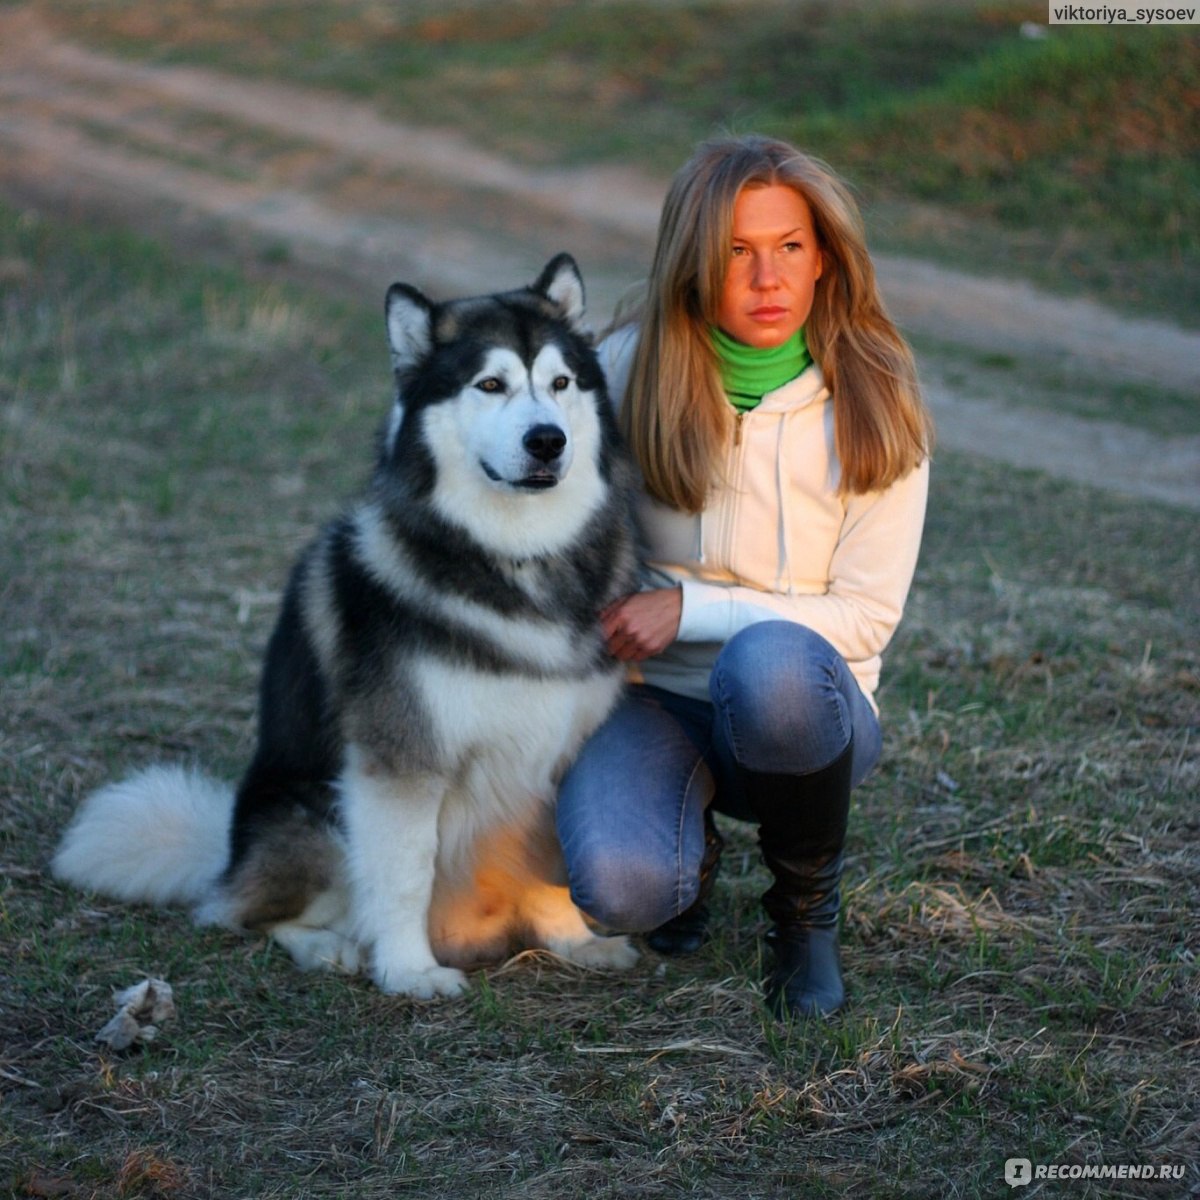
pixel 685 933
pixel 802 829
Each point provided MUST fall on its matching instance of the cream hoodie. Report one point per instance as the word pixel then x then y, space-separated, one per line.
pixel 776 541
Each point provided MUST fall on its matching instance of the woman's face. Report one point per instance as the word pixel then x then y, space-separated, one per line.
pixel 773 267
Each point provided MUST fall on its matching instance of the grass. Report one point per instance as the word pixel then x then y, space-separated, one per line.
pixel 1050 384
pixel 1021 893
pixel 1069 159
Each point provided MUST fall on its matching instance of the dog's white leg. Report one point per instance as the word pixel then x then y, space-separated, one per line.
pixel 391 840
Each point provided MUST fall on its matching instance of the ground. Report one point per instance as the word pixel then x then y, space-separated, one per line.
pixel 1021 888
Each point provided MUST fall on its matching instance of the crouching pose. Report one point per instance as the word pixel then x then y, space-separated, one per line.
pixel 774 412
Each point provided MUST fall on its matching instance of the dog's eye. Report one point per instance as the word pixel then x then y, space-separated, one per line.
pixel 490 384
pixel 560 383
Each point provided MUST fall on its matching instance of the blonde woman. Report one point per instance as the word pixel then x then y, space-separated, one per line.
pixel 774 412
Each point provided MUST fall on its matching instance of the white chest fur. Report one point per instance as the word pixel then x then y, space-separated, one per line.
pixel 525 730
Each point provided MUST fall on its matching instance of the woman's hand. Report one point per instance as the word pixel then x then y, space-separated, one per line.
pixel 643 624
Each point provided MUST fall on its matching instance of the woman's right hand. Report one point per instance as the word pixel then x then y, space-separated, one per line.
pixel 643 624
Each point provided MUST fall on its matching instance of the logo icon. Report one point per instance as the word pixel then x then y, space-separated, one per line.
pixel 1018 1172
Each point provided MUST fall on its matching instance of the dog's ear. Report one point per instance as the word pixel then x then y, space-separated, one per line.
pixel 409 315
pixel 562 284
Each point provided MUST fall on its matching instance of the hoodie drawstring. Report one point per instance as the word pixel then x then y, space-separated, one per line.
pixel 783 577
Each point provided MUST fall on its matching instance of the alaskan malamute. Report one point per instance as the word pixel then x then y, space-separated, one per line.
pixel 436 663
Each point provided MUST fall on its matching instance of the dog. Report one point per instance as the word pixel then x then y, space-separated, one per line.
pixel 436 663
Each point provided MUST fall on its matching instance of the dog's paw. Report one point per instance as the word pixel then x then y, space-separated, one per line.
pixel 419 983
pixel 602 953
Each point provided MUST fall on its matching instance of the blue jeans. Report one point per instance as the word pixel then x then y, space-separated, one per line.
pixel 631 807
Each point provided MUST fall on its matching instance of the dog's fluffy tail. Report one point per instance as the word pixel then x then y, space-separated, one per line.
pixel 159 837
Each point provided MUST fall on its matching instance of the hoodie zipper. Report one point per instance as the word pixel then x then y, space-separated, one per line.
pixel 729 517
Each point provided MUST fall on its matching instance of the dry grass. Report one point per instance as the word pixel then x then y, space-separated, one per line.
pixel 1022 889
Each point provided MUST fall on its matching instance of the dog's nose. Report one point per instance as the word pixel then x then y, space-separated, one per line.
pixel 545 442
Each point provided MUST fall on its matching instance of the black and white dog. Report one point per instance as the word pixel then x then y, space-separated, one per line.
pixel 436 664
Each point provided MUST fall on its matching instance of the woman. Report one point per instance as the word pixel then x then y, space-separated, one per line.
pixel 774 412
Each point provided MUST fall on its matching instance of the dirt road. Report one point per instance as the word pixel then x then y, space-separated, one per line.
pixel 354 201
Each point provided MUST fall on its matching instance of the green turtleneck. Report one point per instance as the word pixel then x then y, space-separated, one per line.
pixel 749 373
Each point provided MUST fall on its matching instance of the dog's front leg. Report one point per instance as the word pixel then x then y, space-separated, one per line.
pixel 391 824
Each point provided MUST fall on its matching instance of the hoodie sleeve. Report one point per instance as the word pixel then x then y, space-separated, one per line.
pixel 870 573
pixel 615 353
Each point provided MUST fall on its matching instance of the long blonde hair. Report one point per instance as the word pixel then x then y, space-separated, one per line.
pixel 675 415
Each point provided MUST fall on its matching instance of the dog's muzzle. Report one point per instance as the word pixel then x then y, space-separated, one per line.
pixel 544 444
pixel 542 461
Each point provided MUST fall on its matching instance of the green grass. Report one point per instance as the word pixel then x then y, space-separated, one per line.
pixel 1045 382
pixel 1021 890
pixel 1071 160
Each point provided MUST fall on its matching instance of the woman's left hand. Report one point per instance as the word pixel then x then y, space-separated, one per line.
pixel 643 624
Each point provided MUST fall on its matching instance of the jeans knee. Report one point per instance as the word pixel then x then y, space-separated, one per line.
pixel 773 663
pixel 776 690
pixel 626 893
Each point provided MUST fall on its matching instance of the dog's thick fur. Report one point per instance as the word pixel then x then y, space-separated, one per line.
pixel 436 663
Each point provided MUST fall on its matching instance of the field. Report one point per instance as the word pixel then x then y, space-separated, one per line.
pixel 1024 868
pixel 1019 930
